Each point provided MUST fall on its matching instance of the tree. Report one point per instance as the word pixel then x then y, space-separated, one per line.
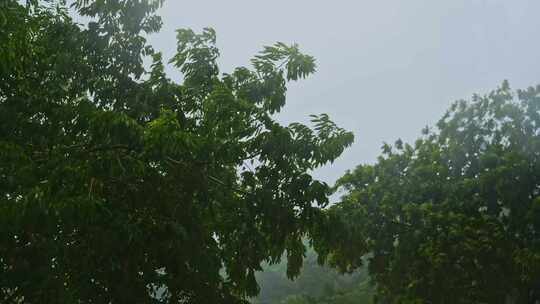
pixel 316 284
pixel 118 185
pixel 455 217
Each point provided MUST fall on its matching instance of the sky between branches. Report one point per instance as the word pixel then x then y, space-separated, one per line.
pixel 386 68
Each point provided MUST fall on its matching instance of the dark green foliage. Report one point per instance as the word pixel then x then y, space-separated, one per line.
pixel 118 185
pixel 455 217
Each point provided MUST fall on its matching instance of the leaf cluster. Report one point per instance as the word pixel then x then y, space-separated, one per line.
pixel 119 185
pixel 452 218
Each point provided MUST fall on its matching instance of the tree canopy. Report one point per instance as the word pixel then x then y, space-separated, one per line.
pixel 120 185
pixel 316 284
pixel 454 217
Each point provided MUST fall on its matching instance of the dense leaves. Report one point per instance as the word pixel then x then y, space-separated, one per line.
pixel 118 185
pixel 453 218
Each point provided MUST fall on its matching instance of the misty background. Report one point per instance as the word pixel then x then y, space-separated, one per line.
pixel 386 68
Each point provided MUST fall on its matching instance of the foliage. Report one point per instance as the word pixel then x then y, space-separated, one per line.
pixel 118 185
pixel 455 217
pixel 315 284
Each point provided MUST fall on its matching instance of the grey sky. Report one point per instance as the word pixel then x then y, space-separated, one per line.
pixel 386 68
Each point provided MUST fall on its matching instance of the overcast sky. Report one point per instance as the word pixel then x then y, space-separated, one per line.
pixel 386 68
